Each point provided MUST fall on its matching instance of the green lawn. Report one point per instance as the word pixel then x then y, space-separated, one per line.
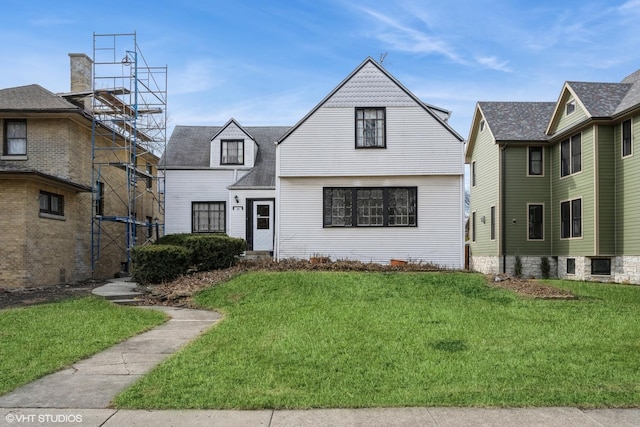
pixel 41 339
pixel 326 339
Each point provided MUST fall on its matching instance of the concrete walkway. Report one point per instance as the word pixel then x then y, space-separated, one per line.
pixel 81 394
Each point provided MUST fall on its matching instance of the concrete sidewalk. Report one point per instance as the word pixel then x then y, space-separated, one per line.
pixel 436 417
pixel 81 394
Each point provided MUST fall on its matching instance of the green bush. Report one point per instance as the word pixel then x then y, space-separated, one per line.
pixel 214 251
pixel 173 239
pixel 158 263
pixel 545 267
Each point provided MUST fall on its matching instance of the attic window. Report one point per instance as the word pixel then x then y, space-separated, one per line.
pixel 481 125
pixel 370 128
pixel 570 107
pixel 232 152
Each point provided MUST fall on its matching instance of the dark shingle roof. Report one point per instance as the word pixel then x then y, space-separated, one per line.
pixel 33 98
pixel 189 147
pixel 517 121
pixel 600 99
pixel 263 173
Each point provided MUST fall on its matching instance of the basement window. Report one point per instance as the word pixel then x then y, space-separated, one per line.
pixel 601 266
pixel 571 266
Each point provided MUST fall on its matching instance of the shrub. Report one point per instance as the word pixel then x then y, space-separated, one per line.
pixel 173 239
pixel 158 263
pixel 518 266
pixel 545 267
pixel 214 251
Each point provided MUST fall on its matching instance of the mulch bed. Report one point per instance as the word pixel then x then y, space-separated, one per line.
pixel 528 287
pixel 20 297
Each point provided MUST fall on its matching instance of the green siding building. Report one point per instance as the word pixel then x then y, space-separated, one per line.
pixel 558 180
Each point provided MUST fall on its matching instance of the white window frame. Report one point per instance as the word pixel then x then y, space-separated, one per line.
pixel 541 174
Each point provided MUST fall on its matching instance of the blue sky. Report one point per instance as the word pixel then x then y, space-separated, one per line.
pixel 270 62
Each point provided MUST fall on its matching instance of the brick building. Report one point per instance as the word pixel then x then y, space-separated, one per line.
pixel 60 181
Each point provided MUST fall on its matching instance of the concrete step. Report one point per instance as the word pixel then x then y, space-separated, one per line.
pixel 258 255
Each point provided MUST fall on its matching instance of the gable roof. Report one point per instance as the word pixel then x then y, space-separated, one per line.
pixel 436 112
pixel 600 99
pixel 517 121
pixel 190 148
pixel 34 98
pixel 511 122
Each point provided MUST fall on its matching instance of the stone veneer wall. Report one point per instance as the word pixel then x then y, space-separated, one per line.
pixel 530 265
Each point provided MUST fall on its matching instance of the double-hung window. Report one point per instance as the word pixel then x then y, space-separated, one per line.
pixel 535 161
pixel 370 207
pixel 370 128
pixel 15 138
pixel 52 204
pixel 232 152
pixel 208 217
pixel 536 222
pixel 571 219
pixel 626 138
pixel 571 155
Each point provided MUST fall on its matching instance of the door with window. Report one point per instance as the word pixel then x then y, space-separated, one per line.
pixel 262 225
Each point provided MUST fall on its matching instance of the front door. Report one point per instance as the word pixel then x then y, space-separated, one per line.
pixel 263 225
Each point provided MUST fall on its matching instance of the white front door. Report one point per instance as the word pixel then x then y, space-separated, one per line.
pixel 263 225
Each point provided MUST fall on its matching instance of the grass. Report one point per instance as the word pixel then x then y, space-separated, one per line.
pixel 41 339
pixel 325 339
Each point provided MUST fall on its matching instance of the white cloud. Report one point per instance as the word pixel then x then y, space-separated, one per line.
pixel 197 76
pixel 407 39
pixel 494 63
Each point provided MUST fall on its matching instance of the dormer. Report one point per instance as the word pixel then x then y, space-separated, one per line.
pixel 233 147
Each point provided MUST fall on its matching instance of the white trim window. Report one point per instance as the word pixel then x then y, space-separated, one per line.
pixel 571 155
pixel 571 219
pixel 627 138
pixel 535 162
pixel 536 221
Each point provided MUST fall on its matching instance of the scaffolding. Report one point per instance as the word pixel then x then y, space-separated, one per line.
pixel 129 133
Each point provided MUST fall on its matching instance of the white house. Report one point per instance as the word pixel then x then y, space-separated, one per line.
pixel 372 173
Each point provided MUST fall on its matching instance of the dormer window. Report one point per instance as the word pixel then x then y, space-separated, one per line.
pixel 370 128
pixel 570 107
pixel 232 152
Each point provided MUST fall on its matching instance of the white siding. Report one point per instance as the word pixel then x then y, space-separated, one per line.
pixel 238 211
pixel 185 186
pixel 324 145
pixel 233 132
pixel 437 238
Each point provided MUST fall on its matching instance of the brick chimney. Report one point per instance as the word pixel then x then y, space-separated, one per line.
pixel 80 72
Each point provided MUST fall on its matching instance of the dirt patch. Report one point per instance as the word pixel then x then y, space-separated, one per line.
pixel 528 287
pixel 20 297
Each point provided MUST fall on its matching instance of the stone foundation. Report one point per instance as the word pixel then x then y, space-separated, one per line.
pixel 530 265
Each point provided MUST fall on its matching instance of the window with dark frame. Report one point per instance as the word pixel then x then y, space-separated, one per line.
pixel 208 217
pixel 149 227
pixel 370 207
pixel 232 152
pixel 99 198
pixel 15 138
pixel 571 266
pixel 535 161
pixel 51 203
pixel 536 222
pixel 493 223
pixel 571 155
pixel 571 219
pixel 370 128
pixel 626 138
pixel 473 174
pixel 473 226
pixel 601 266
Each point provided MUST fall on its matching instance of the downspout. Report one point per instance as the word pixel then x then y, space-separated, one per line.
pixel 503 195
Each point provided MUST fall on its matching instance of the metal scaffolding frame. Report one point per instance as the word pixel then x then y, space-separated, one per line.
pixel 129 100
